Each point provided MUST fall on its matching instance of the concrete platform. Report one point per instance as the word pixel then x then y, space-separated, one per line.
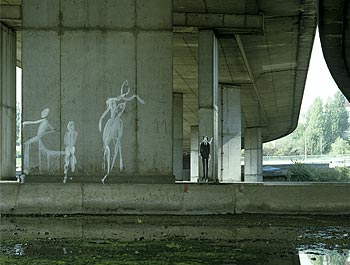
pixel 175 199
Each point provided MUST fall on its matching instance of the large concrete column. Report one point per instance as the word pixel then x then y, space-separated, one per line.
pixel 178 135
pixel 76 55
pixel 230 135
pixel 8 102
pixel 194 153
pixel 253 155
pixel 208 96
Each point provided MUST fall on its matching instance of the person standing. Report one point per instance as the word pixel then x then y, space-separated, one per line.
pixel 205 154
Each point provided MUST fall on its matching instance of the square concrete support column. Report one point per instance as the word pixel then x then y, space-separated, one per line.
pixel 208 97
pixel 76 56
pixel 178 135
pixel 8 103
pixel 230 135
pixel 194 153
pixel 253 155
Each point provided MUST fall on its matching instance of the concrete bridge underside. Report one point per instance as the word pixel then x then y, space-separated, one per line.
pixel 234 71
pixel 231 70
pixel 334 27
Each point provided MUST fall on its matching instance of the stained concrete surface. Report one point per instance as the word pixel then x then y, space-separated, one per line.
pixel 140 239
pixel 179 199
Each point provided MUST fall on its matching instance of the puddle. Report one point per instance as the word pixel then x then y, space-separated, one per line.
pixel 228 239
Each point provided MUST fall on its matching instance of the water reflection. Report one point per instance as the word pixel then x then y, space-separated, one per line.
pixel 242 239
pixel 322 256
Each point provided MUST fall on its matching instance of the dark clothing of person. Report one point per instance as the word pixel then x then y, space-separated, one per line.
pixel 205 167
pixel 205 151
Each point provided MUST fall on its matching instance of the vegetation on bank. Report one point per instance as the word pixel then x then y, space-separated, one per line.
pixel 306 173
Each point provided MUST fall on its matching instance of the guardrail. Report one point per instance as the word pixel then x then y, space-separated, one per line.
pixel 310 159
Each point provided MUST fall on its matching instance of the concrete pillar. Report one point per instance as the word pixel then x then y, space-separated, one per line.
pixel 76 55
pixel 253 155
pixel 8 102
pixel 230 135
pixel 194 153
pixel 178 135
pixel 208 96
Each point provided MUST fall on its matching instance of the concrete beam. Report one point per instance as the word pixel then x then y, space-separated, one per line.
pixel 246 63
pixel 229 23
pixel 10 12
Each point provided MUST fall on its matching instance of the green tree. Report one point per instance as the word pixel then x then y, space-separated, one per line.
pixel 294 143
pixel 315 128
pixel 336 119
pixel 340 147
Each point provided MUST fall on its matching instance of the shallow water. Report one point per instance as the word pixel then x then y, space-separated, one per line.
pixel 228 239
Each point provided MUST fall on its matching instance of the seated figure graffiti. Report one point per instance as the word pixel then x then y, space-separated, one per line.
pixel 70 139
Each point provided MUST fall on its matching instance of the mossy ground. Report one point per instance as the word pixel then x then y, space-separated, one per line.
pixel 256 239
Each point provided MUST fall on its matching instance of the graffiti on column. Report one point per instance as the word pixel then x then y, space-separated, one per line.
pixel 113 129
pixel 70 139
pixel 44 129
pixel 205 155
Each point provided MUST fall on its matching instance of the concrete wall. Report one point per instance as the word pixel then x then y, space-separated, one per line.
pixel 7 102
pixel 187 199
pixel 76 54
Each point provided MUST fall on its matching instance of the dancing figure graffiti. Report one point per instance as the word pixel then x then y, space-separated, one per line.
pixel 113 129
pixel 44 129
pixel 70 139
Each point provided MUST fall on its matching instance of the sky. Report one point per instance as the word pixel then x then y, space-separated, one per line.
pixel 319 82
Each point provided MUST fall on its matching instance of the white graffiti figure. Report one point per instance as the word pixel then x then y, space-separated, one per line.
pixel 70 139
pixel 113 130
pixel 43 129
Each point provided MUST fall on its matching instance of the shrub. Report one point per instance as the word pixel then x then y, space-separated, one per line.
pixel 306 173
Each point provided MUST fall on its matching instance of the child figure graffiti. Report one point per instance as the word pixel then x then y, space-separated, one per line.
pixel 205 154
pixel 113 130
pixel 70 139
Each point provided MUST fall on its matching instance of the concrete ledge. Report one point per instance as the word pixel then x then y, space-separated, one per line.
pixel 179 199
pixel 134 179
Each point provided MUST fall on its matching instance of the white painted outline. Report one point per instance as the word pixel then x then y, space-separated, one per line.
pixel 44 128
pixel 70 139
pixel 113 130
